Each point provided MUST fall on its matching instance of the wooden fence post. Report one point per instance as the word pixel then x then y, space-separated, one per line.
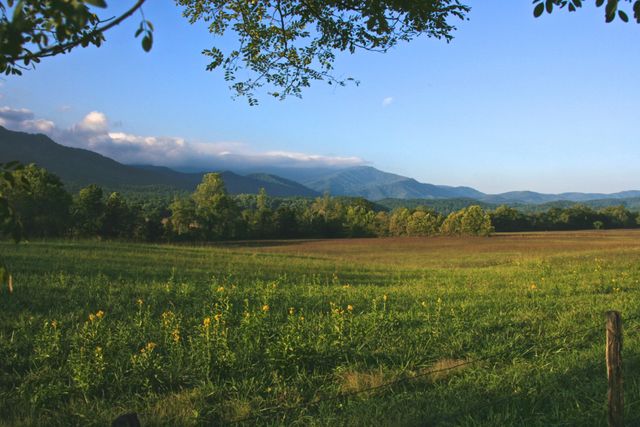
pixel 615 394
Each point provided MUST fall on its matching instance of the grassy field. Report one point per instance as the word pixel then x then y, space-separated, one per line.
pixel 506 330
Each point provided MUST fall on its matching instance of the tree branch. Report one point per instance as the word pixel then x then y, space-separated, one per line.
pixel 53 50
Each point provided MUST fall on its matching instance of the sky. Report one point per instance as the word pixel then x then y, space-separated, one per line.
pixel 512 103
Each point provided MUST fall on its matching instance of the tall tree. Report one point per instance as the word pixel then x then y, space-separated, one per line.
pixel 452 224
pixel 9 222
pixel 183 217
pixel 359 221
pixel 215 210
pixel 423 223
pixel 286 222
pixel 118 220
pixel 475 221
pixel 398 222
pixel 505 218
pixel 261 220
pixel 88 211
pixel 42 205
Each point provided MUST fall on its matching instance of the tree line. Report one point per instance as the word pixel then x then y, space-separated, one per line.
pixel 43 208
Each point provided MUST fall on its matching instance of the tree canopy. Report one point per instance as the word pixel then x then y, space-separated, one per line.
pixel 612 8
pixel 31 30
pixel 281 44
pixel 284 44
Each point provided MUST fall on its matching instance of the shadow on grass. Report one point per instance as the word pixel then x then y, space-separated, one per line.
pixel 561 398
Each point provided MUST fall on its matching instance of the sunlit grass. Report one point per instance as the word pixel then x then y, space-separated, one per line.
pixel 275 332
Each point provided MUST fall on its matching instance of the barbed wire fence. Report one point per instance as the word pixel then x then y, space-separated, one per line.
pixel 584 333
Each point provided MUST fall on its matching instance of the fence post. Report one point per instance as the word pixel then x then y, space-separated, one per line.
pixel 615 394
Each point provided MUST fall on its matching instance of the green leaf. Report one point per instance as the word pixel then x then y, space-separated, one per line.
pixel 623 16
pixel 147 42
pixel 549 6
pixel 610 10
pixel 599 3
pixel 537 11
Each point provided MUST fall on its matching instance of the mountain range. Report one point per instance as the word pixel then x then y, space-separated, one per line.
pixel 79 167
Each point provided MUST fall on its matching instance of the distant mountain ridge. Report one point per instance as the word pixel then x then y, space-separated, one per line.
pixel 373 184
pixel 80 167
pixel 531 197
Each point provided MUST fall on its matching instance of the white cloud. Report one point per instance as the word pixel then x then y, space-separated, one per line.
pixel 94 132
pixel 15 115
pixel 387 101
pixel 314 158
pixel 94 122
pixel 39 125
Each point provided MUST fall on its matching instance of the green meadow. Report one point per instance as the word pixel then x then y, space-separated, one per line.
pixel 505 330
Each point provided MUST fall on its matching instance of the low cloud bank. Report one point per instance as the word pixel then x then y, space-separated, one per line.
pixel 94 132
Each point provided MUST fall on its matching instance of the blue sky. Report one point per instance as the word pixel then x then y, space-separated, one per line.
pixel 513 103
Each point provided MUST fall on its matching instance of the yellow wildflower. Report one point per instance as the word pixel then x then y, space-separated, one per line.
pixel 100 314
pixel 220 288
pixel 166 317
pixel 385 297
pixel 350 307
pixel 291 311
pixel 54 324
pixel 92 317
pixel 139 302
pixel 150 346
pixel 265 308
pixel 175 335
pixel 206 322
pixel 534 287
